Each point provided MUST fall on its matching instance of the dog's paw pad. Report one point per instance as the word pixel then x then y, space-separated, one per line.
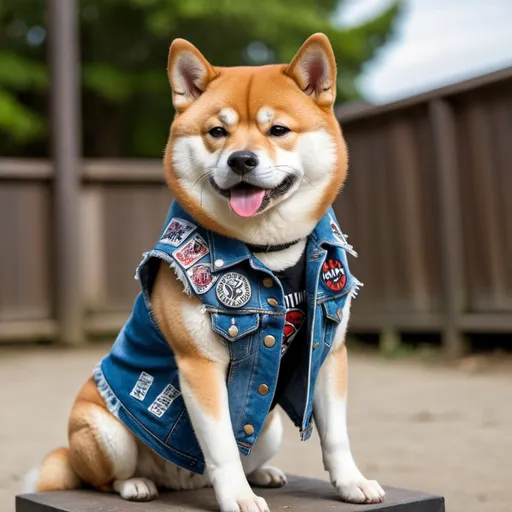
pixel 360 491
pixel 267 476
pixel 136 489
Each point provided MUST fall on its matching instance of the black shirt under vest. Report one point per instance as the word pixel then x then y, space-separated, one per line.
pixel 293 281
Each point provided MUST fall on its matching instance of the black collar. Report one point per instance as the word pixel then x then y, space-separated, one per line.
pixel 270 248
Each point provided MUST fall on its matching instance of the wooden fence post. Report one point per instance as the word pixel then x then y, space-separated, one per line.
pixel 65 122
pixel 450 229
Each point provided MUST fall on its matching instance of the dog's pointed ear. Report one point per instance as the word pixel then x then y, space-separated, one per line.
pixel 189 73
pixel 314 69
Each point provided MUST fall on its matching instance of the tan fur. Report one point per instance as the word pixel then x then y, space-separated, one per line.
pixel 246 90
pixel 56 473
pixel 269 419
pixel 247 101
pixel 181 51
pixel 341 364
pixel 201 373
pixel 86 454
pixel 85 459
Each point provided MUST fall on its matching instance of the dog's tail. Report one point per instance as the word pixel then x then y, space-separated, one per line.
pixel 54 474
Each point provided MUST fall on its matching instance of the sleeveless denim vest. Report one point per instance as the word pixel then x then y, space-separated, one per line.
pixel 139 378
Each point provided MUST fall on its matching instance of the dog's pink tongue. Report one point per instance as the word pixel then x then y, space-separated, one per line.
pixel 246 202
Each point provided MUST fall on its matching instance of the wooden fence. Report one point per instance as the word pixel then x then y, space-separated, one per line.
pixel 428 206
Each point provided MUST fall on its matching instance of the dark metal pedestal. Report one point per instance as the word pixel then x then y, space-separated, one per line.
pixel 300 495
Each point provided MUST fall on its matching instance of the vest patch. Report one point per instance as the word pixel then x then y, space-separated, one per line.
pixel 141 388
pixel 333 275
pixel 139 379
pixel 177 232
pixel 336 231
pixel 191 252
pixel 200 277
pixel 234 290
pixel 164 400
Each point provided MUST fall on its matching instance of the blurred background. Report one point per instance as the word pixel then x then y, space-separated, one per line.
pixel 425 103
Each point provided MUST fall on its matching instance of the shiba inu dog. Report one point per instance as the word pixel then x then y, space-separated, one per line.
pixel 244 301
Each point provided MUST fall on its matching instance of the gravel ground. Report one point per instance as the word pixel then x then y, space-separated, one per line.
pixel 435 429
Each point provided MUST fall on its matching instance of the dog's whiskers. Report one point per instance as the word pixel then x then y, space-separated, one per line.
pixel 265 172
pixel 295 172
pixel 201 178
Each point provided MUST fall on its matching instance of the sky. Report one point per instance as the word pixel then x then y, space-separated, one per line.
pixel 437 42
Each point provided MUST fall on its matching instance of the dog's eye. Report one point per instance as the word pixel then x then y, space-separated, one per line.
pixel 218 132
pixel 278 130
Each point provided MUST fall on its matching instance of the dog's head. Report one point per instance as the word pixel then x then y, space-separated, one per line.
pixel 255 153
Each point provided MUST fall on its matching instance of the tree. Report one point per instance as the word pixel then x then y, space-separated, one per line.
pixel 124 43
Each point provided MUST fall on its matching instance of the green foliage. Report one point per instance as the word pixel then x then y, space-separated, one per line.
pixel 124 44
pixel 17 120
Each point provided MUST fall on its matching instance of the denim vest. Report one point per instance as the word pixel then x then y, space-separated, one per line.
pixel 139 378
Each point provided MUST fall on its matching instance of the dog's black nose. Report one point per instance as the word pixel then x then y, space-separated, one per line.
pixel 242 162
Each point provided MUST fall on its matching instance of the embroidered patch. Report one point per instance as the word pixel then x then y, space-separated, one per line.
pixel 191 252
pixel 177 232
pixel 201 278
pixel 164 400
pixel 333 275
pixel 234 290
pixel 141 388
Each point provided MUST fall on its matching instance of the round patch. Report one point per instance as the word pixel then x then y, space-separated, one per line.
pixel 201 278
pixel 233 290
pixel 333 275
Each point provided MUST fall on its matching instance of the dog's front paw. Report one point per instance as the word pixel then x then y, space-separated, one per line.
pixel 356 488
pixel 267 476
pixel 247 502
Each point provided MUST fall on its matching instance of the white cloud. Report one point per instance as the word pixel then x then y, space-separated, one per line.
pixel 438 42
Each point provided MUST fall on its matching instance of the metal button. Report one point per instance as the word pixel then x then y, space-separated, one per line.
pixel 263 389
pixel 340 313
pixel 249 429
pixel 316 345
pixel 219 263
pixel 269 341
pixel 273 302
pixel 267 282
pixel 233 330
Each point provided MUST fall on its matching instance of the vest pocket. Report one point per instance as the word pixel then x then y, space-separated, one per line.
pixel 333 310
pixel 236 328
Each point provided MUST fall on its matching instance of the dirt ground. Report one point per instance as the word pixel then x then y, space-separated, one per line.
pixel 412 425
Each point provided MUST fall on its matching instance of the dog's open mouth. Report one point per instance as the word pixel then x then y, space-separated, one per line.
pixel 247 200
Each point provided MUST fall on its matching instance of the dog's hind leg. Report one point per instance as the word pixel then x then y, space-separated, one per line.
pixel 265 448
pixel 102 451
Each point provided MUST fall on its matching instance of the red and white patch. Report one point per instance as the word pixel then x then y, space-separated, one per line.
pixel 177 232
pixel 294 320
pixel 191 252
pixel 200 277
pixel 333 275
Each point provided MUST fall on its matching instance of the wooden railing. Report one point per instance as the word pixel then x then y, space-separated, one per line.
pixel 428 206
